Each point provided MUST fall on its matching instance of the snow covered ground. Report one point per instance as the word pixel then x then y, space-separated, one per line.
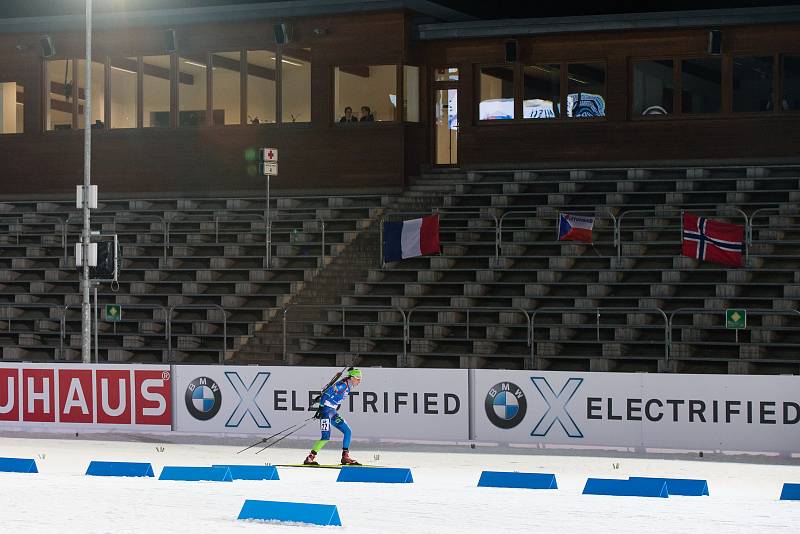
pixel 443 498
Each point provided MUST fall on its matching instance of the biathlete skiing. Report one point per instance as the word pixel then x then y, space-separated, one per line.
pixel 327 413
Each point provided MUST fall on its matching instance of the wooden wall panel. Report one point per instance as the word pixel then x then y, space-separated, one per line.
pixel 204 161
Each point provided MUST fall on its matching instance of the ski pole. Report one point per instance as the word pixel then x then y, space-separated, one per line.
pixel 267 446
pixel 262 440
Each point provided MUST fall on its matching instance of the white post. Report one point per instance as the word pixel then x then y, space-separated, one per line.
pixel 86 340
pixel 96 327
pixel 269 230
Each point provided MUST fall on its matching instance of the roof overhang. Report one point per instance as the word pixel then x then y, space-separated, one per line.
pixel 631 21
pixel 229 13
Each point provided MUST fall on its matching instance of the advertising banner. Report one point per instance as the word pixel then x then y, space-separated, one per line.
pixel 413 404
pixel 96 397
pixel 701 412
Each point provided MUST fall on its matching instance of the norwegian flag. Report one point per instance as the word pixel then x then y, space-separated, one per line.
pixel 713 241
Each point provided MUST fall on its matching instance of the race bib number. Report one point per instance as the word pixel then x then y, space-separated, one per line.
pixel 325 425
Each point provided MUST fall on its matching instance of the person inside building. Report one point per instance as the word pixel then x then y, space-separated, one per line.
pixel 348 115
pixel 366 114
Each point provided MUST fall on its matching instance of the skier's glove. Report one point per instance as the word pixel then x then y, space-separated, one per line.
pixel 318 414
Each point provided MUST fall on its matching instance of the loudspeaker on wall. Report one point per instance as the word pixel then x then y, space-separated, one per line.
pixel 511 51
pixel 282 33
pixel 48 49
pixel 715 42
pixel 170 41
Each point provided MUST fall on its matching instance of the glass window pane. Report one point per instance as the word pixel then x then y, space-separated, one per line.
pixel 449 74
pixel 752 84
pixel 98 93
pixel 496 93
pixel 192 90
pixel 156 99
pixel 123 92
pixel 411 93
pixel 370 91
pixel 791 82
pixel 227 87
pixel 586 90
pixel 260 86
pixel 541 91
pixel 296 85
pixel 59 96
pixel 446 126
pixel 653 87
pixel 701 90
pixel 11 108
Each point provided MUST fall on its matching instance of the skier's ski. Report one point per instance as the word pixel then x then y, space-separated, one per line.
pixel 325 466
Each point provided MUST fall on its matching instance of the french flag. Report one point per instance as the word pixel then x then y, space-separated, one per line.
pixel 409 239
pixel 575 227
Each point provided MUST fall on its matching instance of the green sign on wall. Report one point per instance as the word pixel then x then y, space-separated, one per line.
pixel 113 313
pixel 736 319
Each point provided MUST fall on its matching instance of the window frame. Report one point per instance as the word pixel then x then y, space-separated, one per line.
pixel 399 82
pixel 519 85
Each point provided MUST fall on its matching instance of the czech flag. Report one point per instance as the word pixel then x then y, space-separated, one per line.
pixel 713 241
pixel 409 239
pixel 575 227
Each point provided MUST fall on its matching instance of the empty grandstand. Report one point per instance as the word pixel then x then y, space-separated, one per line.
pixel 632 121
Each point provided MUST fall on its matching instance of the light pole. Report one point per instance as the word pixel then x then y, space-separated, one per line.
pixel 86 319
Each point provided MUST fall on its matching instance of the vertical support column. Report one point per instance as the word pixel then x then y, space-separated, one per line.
pixel 86 340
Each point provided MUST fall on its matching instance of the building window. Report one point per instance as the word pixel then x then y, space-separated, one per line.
pixel 541 91
pixel 123 91
pixel 752 84
pixel 369 91
pixel 410 93
pixel 296 85
pixel 261 94
pixel 496 93
pixel 791 82
pixel 60 101
pixel 701 85
pixel 227 97
pixel 12 117
pixel 156 91
pixel 192 92
pixel 448 74
pixel 653 87
pixel 586 90
pixel 98 93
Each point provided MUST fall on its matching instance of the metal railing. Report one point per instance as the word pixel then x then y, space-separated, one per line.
pixel 199 307
pixel 598 312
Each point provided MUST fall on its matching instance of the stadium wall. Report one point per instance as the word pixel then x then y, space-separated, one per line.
pixel 526 408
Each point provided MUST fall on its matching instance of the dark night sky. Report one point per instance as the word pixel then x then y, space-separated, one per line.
pixel 483 9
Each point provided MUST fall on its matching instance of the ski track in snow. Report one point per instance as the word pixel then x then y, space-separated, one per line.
pixel 443 498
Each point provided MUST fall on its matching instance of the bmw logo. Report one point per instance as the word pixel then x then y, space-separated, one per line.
pixel 203 398
pixel 505 405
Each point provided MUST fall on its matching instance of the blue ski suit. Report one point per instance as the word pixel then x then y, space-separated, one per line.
pixel 328 416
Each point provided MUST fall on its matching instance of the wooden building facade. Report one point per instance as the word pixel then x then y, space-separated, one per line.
pixel 182 99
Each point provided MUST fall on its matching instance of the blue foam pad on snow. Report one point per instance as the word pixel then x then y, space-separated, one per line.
pixel 690 487
pixel 296 512
pixel 391 475
pixel 503 479
pixel 652 487
pixel 251 472
pixel 119 469
pixel 18 465
pixel 790 492
pixel 194 474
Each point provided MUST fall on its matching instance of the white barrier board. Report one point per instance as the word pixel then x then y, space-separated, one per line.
pixel 414 404
pixel 671 411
